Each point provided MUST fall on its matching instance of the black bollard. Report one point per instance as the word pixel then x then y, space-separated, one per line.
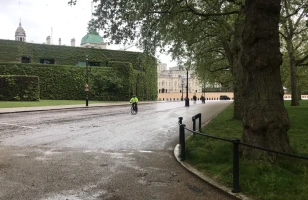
pixel 180 122
pixel 182 142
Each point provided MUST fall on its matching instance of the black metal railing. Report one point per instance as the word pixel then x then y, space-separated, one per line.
pixel 235 142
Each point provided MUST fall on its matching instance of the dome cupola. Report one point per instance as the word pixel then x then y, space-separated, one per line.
pixel 93 40
pixel 20 34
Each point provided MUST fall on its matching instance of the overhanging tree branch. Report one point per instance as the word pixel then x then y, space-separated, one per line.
pixel 219 69
pixel 299 62
pixel 194 11
pixel 285 37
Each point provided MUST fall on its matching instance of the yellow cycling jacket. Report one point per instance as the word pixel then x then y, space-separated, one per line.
pixel 134 100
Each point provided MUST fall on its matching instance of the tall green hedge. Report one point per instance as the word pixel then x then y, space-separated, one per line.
pixel 19 88
pixel 120 74
pixel 116 82
pixel 12 51
pixel 56 82
pixel 146 80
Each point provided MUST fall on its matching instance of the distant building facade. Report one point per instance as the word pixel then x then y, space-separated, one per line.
pixel 174 80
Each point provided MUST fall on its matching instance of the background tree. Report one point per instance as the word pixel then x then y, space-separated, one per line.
pixel 185 25
pixel 295 36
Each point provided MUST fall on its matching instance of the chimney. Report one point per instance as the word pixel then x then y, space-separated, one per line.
pixel 73 42
pixel 60 41
pixel 48 40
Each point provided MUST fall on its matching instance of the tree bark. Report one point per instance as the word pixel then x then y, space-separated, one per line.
pixel 237 71
pixel 293 74
pixel 233 50
pixel 265 120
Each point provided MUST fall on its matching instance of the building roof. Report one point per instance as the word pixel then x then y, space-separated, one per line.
pixel 20 31
pixel 92 37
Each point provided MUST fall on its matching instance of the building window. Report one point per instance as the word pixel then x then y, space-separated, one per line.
pixel 47 61
pixel 25 59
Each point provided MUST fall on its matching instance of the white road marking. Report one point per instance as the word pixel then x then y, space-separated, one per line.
pixel 18 125
pixel 143 151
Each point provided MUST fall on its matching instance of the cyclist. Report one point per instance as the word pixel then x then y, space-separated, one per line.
pixel 134 101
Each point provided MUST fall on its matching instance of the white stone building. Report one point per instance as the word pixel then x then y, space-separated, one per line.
pixel 174 80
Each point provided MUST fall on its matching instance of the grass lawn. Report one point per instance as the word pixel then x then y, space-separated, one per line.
pixel 286 178
pixel 13 104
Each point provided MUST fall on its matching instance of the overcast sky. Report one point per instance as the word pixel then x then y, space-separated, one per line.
pixel 40 18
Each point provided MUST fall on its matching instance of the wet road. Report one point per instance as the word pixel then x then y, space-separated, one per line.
pixel 100 153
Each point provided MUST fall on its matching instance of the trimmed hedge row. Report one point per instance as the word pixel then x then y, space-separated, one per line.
pixel 120 74
pixel 12 51
pixel 19 88
pixel 116 82
pixel 56 82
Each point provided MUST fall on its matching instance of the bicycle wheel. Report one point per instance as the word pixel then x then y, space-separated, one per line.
pixel 133 111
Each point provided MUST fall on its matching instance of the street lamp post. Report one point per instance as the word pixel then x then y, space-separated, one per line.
pixel 87 81
pixel 182 90
pixel 187 99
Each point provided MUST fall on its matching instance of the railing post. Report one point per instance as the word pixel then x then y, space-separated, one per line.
pixel 194 125
pixel 182 142
pixel 236 168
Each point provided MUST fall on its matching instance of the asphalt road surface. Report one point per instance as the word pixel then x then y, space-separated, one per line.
pixel 100 153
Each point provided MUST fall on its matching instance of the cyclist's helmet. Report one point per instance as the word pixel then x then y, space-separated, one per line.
pixel 134 95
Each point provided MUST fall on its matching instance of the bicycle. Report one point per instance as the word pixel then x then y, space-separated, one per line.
pixel 133 109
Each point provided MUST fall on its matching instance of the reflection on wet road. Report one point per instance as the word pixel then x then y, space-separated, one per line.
pixel 100 153
pixel 113 128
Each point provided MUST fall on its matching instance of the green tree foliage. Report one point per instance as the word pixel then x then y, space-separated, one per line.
pixel 207 31
pixel 200 28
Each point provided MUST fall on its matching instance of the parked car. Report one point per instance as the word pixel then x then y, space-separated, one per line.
pixel 224 97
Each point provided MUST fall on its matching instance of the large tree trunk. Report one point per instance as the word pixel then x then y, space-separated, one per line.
pixel 265 120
